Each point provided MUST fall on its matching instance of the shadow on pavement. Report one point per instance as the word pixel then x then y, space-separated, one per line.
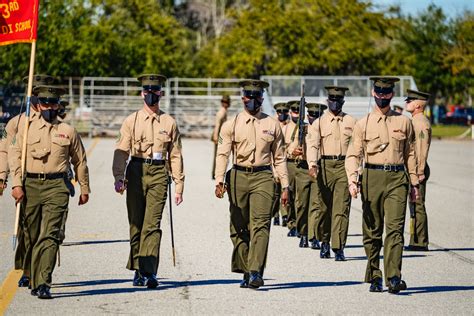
pixel 451 249
pixel 381 257
pixel 164 285
pixel 90 283
pixel 93 242
pixel 435 289
pixel 297 285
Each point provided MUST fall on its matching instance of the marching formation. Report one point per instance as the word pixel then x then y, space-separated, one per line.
pixel 299 170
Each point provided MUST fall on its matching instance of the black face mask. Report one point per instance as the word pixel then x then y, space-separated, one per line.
pixel 253 106
pixel 282 117
pixel 382 103
pixel 295 119
pixel 312 118
pixel 335 106
pixel 49 115
pixel 152 99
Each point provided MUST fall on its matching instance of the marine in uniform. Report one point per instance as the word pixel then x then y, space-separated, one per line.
pixel 293 154
pixel 315 110
pixel 282 115
pixel 52 146
pixel 415 104
pixel 8 136
pixel 221 117
pixel 330 136
pixel 256 141
pixel 151 139
pixel 385 141
pixel 296 160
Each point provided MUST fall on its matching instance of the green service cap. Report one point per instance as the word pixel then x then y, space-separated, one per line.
pixel 152 81
pixel 316 107
pixel 40 80
pixel 336 91
pixel 384 82
pixel 49 92
pixel 281 106
pixel 253 85
pixel 417 95
pixel 225 98
pixel 294 105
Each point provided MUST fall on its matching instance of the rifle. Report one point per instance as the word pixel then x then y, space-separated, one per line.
pixel 301 125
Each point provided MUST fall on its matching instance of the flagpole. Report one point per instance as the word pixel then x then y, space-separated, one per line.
pixel 25 134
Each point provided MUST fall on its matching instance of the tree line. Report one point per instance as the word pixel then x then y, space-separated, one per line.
pixel 250 38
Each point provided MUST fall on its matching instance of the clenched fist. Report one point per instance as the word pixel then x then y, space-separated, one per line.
pixel 220 190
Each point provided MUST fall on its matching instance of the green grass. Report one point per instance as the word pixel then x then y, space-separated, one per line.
pixel 442 131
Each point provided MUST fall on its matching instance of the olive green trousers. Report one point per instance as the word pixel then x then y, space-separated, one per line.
pixel 250 197
pixel 304 184
pixel 146 198
pixel 292 196
pixel 420 236
pixel 45 206
pixel 335 203
pixel 384 198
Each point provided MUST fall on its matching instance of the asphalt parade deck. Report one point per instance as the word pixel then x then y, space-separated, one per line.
pixel 92 278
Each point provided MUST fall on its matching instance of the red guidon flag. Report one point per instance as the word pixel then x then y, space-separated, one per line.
pixel 18 21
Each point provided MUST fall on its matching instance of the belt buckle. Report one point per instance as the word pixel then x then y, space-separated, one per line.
pixel 339 157
pixel 248 169
pixel 149 161
pixel 42 176
pixel 387 167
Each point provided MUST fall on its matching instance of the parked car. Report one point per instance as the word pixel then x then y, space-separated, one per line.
pixel 459 115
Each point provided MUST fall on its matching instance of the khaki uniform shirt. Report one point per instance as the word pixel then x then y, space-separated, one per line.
pixel 50 149
pixel 329 135
pixel 283 126
pixel 150 135
pixel 221 117
pixel 11 129
pixel 291 141
pixel 382 139
pixel 255 141
pixel 422 129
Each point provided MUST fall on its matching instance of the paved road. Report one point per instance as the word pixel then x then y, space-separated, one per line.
pixel 92 278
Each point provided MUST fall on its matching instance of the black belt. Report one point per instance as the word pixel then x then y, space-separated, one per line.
pixel 295 160
pixel 252 169
pixel 338 157
pixel 46 176
pixel 394 168
pixel 149 161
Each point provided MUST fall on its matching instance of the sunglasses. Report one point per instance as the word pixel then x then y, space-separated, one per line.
pixel 295 110
pixel 313 114
pixel 283 111
pixel 48 101
pixel 252 94
pixel 408 100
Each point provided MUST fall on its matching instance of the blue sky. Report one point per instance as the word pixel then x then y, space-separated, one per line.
pixel 451 8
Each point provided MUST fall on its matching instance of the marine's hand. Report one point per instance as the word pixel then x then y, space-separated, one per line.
pixel 220 190
pixel 83 199
pixel 414 194
pixel 421 178
pixel 353 190
pixel 284 197
pixel 120 186
pixel 178 198
pixel 298 151
pixel 18 194
pixel 313 172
